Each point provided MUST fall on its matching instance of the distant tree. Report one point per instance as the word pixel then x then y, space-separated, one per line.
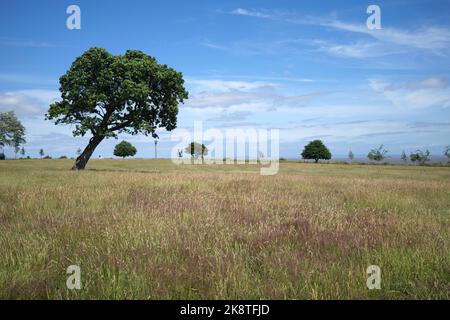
pixel 124 149
pixel 447 152
pixel 404 157
pixel 351 156
pixel 377 154
pixel 22 152
pixel 78 152
pixel 2 156
pixel 16 151
pixel 12 132
pixel 41 152
pixel 180 153
pixel 196 150
pixel 420 156
pixel 316 151
pixel 105 95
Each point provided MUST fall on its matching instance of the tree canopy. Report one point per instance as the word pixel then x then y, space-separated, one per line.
pixel 124 149
pixel 12 132
pixel 316 151
pixel 351 155
pixel 404 157
pixel 105 95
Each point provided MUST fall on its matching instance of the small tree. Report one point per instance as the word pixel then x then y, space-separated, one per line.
pixel 16 151
pixel 124 149
pixel 377 154
pixel 261 155
pixel 316 150
pixel 420 156
pixel 404 157
pixel 196 150
pixel 41 153
pixel 180 153
pixel 447 152
pixel 351 156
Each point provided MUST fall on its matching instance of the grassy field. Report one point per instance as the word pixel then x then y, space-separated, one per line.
pixel 148 229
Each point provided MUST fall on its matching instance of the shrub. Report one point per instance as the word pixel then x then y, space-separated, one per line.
pixel 2 156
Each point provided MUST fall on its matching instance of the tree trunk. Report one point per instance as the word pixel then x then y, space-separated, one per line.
pixel 83 158
pixel 316 160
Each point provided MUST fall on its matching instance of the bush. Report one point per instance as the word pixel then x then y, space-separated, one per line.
pixel 63 157
pixel 47 157
pixel 2 156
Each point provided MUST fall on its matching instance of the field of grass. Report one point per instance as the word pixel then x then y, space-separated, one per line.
pixel 147 229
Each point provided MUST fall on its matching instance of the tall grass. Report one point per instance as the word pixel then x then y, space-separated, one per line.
pixel 148 229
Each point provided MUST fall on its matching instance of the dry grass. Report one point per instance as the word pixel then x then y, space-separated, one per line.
pixel 149 229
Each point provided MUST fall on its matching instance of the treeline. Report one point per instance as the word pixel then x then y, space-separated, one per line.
pixel 316 150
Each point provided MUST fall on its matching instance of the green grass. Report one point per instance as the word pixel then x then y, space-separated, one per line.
pixel 148 229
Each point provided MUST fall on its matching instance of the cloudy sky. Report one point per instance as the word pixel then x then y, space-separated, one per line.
pixel 311 69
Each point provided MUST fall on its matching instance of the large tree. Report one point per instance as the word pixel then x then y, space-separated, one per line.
pixel 12 132
pixel 105 95
pixel 316 150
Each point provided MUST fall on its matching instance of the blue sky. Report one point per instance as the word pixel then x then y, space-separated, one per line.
pixel 309 68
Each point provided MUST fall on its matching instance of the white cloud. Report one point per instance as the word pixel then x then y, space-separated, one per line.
pixel 223 85
pixel 357 50
pixel 429 37
pixel 434 38
pixel 225 94
pixel 28 103
pixel 244 12
pixel 426 93
pixel 25 43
